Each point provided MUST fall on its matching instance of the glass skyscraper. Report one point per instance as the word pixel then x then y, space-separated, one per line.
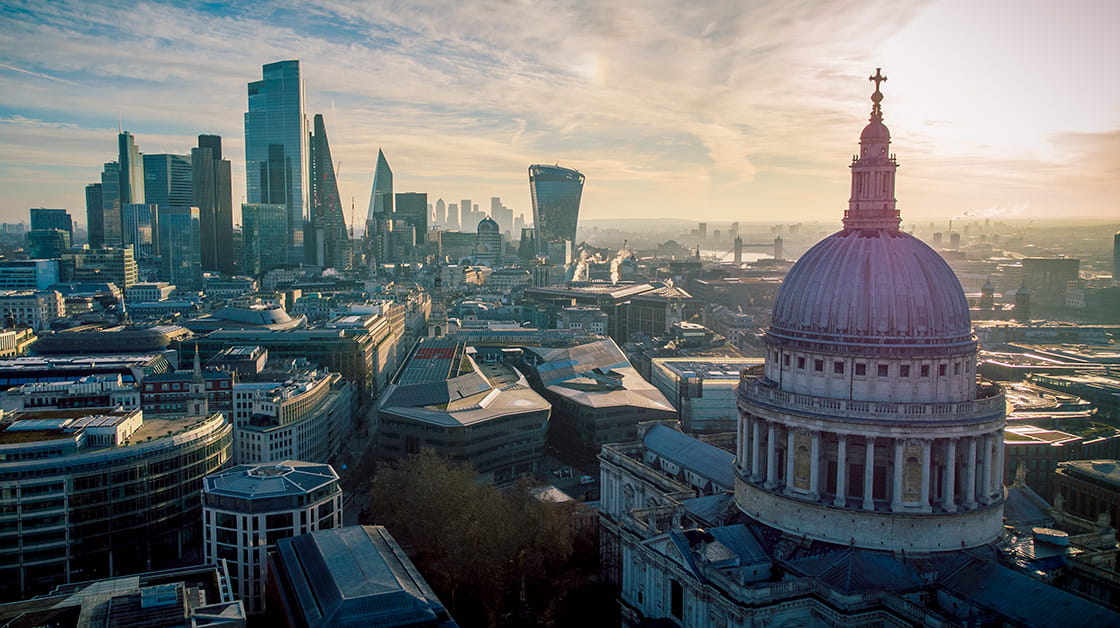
pixel 140 228
pixel 131 171
pixel 179 247
pixel 265 243
pixel 380 210
pixel 213 195
pixel 103 208
pixel 329 243
pixel 276 153
pixel 42 218
pixel 556 193
pixel 168 180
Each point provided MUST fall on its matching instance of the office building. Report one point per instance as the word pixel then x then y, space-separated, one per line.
pixel 441 213
pixel 380 209
pixel 168 180
pixel 140 229
pixel 47 243
pixel 703 390
pixel 328 242
pixel 69 472
pixel 354 575
pixel 412 207
pixel 180 248
pixel 33 308
pixel 247 509
pixel 481 412
pixel 94 209
pixel 555 193
pixel 265 237
pixel 276 155
pixel 28 274
pixel 213 195
pixel 130 171
pixel 184 596
pixel 42 218
pixel 109 264
pixel 103 208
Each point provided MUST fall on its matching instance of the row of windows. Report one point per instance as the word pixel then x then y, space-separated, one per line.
pixel 882 370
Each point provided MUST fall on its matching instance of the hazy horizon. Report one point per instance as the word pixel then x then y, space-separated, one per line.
pixel 719 112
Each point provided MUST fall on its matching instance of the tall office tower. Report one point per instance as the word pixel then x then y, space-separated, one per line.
pixel 380 209
pixel 276 136
pixel 441 213
pixel 93 211
pixel 778 249
pixel 739 250
pixel 103 208
pixel 466 215
pixel 264 238
pixel 555 192
pixel 179 247
pixel 329 244
pixel 168 180
pixel 703 231
pixel 140 228
pixel 131 171
pixel 51 219
pixel 213 195
pixel 452 216
pixel 47 243
pixel 412 207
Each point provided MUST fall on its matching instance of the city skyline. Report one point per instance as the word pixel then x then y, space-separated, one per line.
pixel 723 113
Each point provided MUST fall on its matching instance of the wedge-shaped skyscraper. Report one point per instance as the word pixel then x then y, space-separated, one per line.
pixel 556 193
pixel 328 244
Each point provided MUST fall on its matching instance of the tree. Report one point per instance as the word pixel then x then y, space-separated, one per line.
pixel 495 557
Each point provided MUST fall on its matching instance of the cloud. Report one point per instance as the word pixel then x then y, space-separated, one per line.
pixel 700 109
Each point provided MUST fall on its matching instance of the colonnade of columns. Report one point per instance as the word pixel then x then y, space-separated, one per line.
pixel 914 474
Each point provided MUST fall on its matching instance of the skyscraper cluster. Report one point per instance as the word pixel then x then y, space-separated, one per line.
pixel 139 191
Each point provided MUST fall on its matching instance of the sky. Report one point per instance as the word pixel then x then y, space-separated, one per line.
pixel 718 111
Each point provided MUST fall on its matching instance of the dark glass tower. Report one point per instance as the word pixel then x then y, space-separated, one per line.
pixel 412 207
pixel 51 219
pixel 168 180
pixel 328 243
pixel 276 154
pixel 213 195
pixel 556 193
pixel 265 241
pixel 103 208
pixel 131 171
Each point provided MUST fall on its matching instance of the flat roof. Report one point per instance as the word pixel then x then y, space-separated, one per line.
pixel 250 481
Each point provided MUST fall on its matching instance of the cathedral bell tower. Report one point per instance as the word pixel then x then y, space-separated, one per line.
pixel 872 204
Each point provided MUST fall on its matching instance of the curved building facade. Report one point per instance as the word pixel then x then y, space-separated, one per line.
pixel 556 194
pixel 867 426
pixel 85 495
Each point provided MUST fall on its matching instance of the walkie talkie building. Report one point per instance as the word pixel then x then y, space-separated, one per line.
pixel 556 192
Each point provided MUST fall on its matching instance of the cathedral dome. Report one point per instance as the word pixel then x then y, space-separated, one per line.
pixel 872 287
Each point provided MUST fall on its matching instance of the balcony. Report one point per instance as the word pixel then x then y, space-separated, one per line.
pixel 989 404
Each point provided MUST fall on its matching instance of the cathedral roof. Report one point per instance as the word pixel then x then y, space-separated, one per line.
pixel 879 287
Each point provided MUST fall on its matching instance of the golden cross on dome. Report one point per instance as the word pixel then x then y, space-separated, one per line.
pixel 878 78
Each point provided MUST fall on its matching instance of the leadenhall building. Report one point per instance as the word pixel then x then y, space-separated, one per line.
pixel 868 468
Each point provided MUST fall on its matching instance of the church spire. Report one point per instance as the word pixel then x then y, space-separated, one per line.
pixel 197 403
pixel 872 204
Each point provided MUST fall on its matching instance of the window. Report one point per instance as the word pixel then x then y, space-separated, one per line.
pixel 818 365
pixel 904 370
pixel 956 368
pixel 925 370
pixel 677 600
pixel 882 370
pixel 800 363
pixel 941 370
pixel 785 359
pixel 861 368
pixel 838 367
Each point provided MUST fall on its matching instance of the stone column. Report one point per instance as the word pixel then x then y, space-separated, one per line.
pixel 756 436
pixel 949 499
pixel 926 477
pixel 970 475
pixel 986 479
pixel 771 456
pixel 841 471
pixel 791 453
pixel 869 475
pixel 741 441
pixel 896 476
pixel 1000 447
pixel 815 466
